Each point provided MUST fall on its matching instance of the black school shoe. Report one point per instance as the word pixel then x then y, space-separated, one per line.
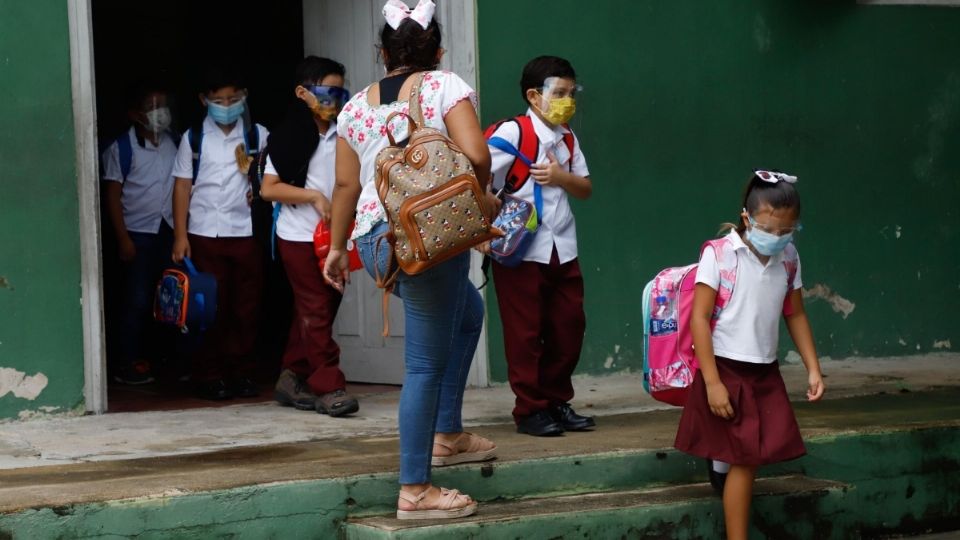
pixel 539 424
pixel 570 420
pixel 243 387
pixel 717 479
pixel 217 390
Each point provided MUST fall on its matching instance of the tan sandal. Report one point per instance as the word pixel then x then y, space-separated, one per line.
pixel 473 452
pixel 453 504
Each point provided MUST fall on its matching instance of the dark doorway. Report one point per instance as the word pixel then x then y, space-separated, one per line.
pixel 173 42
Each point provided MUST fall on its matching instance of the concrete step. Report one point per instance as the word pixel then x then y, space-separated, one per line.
pixel 900 452
pixel 788 507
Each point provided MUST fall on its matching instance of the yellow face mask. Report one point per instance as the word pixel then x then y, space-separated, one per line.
pixel 560 110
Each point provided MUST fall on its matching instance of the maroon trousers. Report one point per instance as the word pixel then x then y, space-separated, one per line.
pixel 541 306
pixel 311 351
pixel 227 348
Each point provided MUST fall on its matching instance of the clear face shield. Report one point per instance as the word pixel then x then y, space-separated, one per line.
pixel 558 99
pixel 326 102
pixel 154 114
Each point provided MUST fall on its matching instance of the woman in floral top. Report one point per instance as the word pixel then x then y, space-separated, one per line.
pixel 443 311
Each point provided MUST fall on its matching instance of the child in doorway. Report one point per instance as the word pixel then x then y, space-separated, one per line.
pixel 541 300
pixel 738 412
pixel 299 177
pixel 138 187
pixel 212 222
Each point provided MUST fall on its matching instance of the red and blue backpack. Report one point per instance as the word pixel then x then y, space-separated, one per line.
pixel 518 220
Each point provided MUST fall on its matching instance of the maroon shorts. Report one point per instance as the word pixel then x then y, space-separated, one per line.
pixel 764 429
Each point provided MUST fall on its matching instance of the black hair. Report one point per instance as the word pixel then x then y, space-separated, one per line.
pixel 217 77
pixel 410 46
pixel 759 192
pixel 313 69
pixel 138 92
pixel 542 68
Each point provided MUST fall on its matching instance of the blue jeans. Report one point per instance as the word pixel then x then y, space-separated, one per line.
pixel 443 313
pixel 139 285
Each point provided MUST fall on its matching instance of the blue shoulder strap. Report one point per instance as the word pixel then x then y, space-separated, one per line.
pixel 195 136
pixel 251 140
pixel 125 151
pixel 502 144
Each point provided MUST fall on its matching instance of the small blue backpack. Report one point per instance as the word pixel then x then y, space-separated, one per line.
pixel 186 298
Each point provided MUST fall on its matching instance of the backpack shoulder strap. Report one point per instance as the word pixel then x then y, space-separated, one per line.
pixel 726 257
pixel 568 141
pixel 528 144
pixel 791 262
pixel 251 140
pixel 125 152
pixel 195 137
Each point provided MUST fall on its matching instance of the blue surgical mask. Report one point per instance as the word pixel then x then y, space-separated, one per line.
pixel 767 244
pixel 225 114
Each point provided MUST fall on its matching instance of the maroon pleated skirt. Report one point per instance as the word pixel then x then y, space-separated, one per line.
pixel 764 429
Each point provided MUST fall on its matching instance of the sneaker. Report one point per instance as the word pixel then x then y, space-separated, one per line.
pixel 291 391
pixel 135 373
pixel 337 403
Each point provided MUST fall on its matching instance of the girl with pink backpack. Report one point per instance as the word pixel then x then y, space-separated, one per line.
pixel 737 411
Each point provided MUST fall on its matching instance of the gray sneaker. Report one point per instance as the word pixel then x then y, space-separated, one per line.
pixel 337 403
pixel 291 391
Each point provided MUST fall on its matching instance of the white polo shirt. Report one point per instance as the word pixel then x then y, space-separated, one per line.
pixel 748 327
pixel 148 190
pixel 558 227
pixel 218 201
pixel 297 223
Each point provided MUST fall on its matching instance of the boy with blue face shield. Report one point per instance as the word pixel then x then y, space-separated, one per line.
pixel 213 225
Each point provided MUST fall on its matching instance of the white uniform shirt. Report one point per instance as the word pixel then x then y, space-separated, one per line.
pixel 558 227
pixel 748 327
pixel 148 190
pixel 297 223
pixel 218 201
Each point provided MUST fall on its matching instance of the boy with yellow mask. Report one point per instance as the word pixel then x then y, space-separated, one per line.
pixel 541 298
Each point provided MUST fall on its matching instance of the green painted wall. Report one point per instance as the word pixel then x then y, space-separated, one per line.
pixel 40 320
pixel 683 98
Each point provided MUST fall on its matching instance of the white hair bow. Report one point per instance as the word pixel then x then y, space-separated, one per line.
pixel 395 11
pixel 774 177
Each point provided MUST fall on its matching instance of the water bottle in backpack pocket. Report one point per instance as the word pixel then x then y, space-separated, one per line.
pixel 186 298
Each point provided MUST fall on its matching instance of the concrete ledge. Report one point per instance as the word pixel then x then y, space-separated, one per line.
pixel 798 504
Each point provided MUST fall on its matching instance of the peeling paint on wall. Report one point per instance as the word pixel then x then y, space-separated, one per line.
pixel 22 386
pixel 941 344
pixel 837 303
pixel 5 283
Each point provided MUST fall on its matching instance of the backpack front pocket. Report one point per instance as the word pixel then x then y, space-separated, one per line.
pixel 442 223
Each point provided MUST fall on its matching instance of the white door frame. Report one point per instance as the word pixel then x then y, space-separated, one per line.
pixel 326 20
pixel 88 189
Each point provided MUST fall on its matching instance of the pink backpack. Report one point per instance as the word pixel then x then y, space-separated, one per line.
pixel 669 362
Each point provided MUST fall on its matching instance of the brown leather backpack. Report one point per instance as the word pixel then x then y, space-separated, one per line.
pixel 431 196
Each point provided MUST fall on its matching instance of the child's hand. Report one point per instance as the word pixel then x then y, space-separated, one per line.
pixel 127 249
pixel 719 400
pixel 336 271
pixel 815 388
pixel 181 249
pixel 322 205
pixel 549 174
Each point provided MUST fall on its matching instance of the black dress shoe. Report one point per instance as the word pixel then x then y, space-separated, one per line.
pixel 570 420
pixel 539 424
pixel 217 390
pixel 243 387
pixel 717 479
